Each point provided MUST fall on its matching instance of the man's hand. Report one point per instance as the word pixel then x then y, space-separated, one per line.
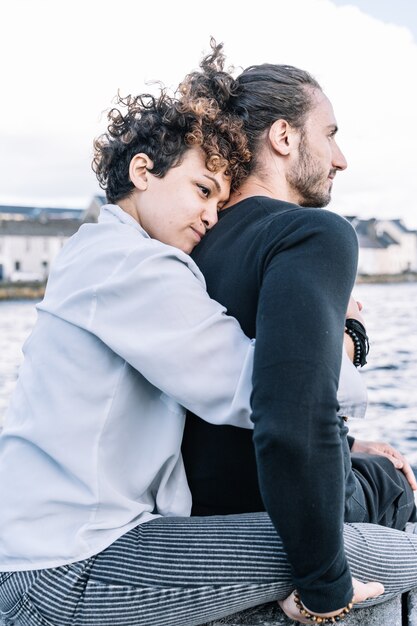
pixel 385 449
pixel 361 591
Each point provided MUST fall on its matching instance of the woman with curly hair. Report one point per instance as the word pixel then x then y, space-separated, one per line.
pixel 92 478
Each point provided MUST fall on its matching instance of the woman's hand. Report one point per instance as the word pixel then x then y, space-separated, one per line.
pixel 354 310
pixel 385 449
pixel 361 592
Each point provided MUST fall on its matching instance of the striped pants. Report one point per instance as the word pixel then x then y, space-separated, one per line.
pixel 187 571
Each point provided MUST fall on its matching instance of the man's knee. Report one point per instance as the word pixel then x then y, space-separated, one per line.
pixel 403 507
pixel 406 508
pixel 389 496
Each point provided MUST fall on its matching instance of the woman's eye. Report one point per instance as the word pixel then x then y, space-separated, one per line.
pixel 204 190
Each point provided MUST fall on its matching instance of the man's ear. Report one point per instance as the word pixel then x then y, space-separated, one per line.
pixel 281 137
pixel 138 170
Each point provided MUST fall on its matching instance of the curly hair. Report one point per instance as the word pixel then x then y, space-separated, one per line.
pixel 259 96
pixel 212 83
pixel 164 128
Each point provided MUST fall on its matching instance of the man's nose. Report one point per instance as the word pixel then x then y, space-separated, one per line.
pixel 339 161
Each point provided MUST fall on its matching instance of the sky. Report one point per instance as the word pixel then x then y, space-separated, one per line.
pixel 64 62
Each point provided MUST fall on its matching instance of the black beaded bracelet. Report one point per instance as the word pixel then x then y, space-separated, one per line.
pixel 356 346
pixel 357 333
pixel 318 619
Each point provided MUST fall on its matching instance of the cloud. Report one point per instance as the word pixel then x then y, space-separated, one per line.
pixel 66 62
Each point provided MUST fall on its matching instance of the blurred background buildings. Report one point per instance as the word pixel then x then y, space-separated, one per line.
pixel 31 237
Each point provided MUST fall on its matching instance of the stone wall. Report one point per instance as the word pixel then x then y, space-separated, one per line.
pixel 400 611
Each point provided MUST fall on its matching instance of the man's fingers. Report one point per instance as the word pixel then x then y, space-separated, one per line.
pixel 409 474
pixel 401 463
pixel 362 592
pixel 365 591
pixel 291 610
pixel 394 460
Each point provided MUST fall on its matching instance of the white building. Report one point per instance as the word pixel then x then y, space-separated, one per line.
pixel 407 240
pixel 92 211
pixel 30 239
pixel 385 247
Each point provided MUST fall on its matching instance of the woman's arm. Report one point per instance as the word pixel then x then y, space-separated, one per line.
pixel 352 394
pixel 154 311
pixel 353 312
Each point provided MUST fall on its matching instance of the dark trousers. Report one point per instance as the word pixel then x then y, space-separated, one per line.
pixel 382 494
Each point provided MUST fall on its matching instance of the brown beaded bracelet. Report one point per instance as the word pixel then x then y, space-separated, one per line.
pixel 318 619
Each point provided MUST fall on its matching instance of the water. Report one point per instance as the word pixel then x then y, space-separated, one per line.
pixel 16 321
pixel 390 312
pixel 390 375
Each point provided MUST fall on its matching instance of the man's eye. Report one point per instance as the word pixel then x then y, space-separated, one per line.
pixel 204 190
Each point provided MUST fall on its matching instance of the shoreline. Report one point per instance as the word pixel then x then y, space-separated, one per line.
pixel 380 279
pixel 35 290
pixel 22 291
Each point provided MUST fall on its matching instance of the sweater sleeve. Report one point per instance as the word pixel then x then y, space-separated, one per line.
pixel 154 312
pixel 309 272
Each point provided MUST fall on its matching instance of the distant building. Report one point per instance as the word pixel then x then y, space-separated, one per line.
pixel 39 214
pixel 93 209
pixel 385 246
pixel 407 240
pixel 30 238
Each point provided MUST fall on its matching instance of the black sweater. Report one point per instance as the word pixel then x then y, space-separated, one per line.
pixel 286 274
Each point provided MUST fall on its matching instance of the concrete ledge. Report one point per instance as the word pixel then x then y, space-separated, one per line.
pixel 411 608
pixel 387 614
pixel 400 611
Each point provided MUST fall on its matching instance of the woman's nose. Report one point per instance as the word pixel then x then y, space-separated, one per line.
pixel 210 216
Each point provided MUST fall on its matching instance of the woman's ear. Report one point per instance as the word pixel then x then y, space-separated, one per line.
pixel 281 136
pixel 139 169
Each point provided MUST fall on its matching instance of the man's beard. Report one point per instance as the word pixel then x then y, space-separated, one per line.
pixel 309 180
